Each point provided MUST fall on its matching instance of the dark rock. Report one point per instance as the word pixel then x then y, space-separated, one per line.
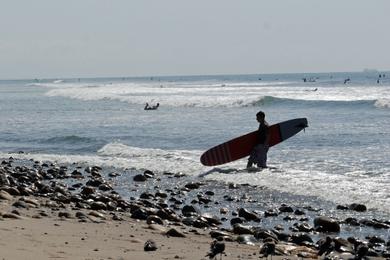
pixel 200 223
pixel 161 194
pixel 211 219
pixel 242 230
pixel 286 209
pixel 150 245
pixel 94 182
pixel 303 227
pixel 64 214
pixel 352 221
pixel 299 212
pixel 282 236
pixel 98 205
pixel 153 219
pixel 265 234
pixel 167 214
pixel 87 190
pixel 12 190
pixel 20 204
pixel 139 178
pixel 358 207
pixel 81 215
pixel 209 193
pixel 193 185
pixel 326 224
pixel 105 187
pixel 190 210
pixel 249 216
pixel 234 221
pixel 140 213
pixel 270 213
pixel 146 195
pixel 174 233
pixel 375 240
pixel 342 207
pixel 301 238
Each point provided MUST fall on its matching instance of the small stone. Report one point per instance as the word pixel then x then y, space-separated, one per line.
pixel 150 245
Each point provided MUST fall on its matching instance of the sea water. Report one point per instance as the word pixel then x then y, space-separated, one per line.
pixel 341 158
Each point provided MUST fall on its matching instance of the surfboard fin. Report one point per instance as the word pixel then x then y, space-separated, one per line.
pixel 302 126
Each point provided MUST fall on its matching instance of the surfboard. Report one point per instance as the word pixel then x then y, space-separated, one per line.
pixel 242 146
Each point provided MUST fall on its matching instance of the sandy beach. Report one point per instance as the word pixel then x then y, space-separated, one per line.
pixel 51 237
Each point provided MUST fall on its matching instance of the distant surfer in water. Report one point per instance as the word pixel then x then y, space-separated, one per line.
pixel 147 107
pixel 259 153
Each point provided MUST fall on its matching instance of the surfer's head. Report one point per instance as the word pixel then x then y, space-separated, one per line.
pixel 260 116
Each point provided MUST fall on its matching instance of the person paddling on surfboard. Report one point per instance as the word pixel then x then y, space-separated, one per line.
pixel 259 152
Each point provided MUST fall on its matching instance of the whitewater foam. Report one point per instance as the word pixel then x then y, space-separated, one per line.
pixel 382 103
pixel 214 95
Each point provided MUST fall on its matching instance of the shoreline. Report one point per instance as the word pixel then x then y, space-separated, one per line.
pixel 74 212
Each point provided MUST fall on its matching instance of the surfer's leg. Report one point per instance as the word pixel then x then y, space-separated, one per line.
pixel 262 156
pixel 252 158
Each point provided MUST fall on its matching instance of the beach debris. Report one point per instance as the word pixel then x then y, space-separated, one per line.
pixel 215 249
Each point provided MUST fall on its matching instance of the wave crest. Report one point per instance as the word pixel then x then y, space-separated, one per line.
pixel 382 103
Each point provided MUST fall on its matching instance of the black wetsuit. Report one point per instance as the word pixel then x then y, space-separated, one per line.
pixel 263 133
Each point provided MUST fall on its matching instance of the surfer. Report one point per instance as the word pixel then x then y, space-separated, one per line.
pixel 147 107
pixel 259 152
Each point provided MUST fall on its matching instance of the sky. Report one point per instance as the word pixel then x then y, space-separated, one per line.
pixel 101 38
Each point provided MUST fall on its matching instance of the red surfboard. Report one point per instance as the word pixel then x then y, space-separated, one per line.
pixel 242 146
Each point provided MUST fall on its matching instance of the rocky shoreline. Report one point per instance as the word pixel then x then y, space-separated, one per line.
pixel 177 206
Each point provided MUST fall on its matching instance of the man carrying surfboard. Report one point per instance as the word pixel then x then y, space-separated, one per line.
pixel 259 152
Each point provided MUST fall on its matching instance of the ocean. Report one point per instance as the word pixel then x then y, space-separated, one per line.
pixel 341 158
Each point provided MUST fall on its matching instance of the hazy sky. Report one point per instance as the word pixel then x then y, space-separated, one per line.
pixel 97 38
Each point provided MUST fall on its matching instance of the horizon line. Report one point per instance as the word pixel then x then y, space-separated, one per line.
pixel 194 75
